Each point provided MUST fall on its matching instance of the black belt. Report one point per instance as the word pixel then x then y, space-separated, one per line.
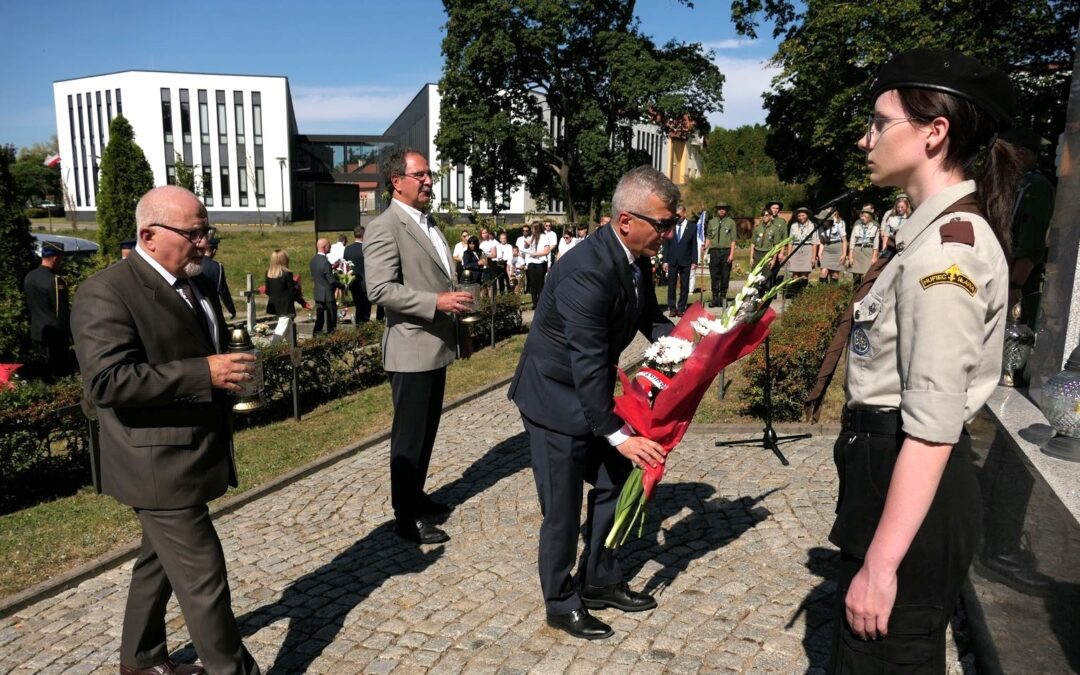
pixel 872 421
pixel 864 246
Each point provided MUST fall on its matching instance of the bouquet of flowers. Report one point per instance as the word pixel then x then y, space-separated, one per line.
pixel 343 270
pixel 665 393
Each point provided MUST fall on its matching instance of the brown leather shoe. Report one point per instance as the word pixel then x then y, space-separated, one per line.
pixel 170 667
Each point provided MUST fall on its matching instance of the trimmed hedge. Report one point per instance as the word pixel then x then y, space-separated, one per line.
pixel 798 340
pixel 44 451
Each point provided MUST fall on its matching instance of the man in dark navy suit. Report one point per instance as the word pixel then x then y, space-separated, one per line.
pixel 680 259
pixel 593 303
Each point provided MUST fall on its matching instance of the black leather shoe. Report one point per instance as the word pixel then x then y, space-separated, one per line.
pixel 419 532
pixel 1015 570
pixel 671 312
pixel 167 668
pixel 618 596
pixel 580 624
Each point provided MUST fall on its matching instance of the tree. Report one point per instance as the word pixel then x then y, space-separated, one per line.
pixel 740 150
pixel 125 177
pixel 16 250
pixel 186 175
pixel 830 52
pixel 586 62
pixel 34 181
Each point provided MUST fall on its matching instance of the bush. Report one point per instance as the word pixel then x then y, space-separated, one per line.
pixel 798 341
pixel 508 319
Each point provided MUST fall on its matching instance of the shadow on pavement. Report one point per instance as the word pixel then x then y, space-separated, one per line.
pixel 710 525
pixel 819 606
pixel 318 603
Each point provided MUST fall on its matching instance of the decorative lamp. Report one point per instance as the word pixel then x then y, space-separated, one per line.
pixel 250 397
pixel 1061 406
pixel 470 283
pixel 1019 341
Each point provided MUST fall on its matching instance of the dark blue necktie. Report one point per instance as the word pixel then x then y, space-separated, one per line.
pixel 637 283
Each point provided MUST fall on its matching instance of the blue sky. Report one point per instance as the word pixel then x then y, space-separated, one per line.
pixel 350 66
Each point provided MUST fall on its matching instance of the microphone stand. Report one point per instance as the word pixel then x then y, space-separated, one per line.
pixel 769 439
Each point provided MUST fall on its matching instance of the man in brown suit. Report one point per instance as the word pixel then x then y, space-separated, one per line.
pixel 149 335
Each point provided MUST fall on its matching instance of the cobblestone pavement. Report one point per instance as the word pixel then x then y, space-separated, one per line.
pixel 734 547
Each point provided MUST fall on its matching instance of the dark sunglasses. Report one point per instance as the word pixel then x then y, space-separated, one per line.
pixel 661 226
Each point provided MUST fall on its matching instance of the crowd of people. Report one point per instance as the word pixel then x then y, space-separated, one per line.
pixel 157 373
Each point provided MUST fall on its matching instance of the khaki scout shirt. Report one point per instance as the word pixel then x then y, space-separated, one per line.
pixel 721 232
pixel 927 338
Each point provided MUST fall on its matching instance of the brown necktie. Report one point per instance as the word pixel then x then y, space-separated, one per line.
pixel 839 342
pixel 843 329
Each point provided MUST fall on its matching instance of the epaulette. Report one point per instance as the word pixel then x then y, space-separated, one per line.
pixel 958 232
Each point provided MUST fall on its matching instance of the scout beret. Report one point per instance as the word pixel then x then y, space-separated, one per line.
pixel 950 72
pixel 722 205
pixel 868 211
pixel 127 244
pixel 1024 137
pixel 51 248
pixel 768 205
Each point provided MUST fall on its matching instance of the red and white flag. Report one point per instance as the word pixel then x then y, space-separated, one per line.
pixel 52 160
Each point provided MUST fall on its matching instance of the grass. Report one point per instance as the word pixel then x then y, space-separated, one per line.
pixel 51 538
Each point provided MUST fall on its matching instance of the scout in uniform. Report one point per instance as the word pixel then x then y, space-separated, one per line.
pixel 924 354
pixel 720 235
pixel 47 299
pixel 763 237
pixel 864 245
pixel 834 249
pixel 800 259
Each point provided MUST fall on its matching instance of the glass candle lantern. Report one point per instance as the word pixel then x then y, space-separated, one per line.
pixel 1061 406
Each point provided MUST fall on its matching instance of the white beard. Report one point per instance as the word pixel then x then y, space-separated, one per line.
pixel 193 269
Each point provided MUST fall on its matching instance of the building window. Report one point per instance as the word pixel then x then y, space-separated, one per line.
pixel 82 149
pixel 170 174
pixel 93 146
pixel 242 185
pixel 185 117
pixel 74 156
pixel 444 185
pixel 256 117
pixel 207 186
pixel 108 104
pixel 100 130
pixel 461 186
pixel 226 199
pixel 166 115
pixel 119 103
pixel 204 119
pixel 222 120
pixel 238 106
pixel 260 186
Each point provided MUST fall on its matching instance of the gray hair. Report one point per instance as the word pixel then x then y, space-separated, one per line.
pixel 637 185
pixel 395 165
pixel 156 206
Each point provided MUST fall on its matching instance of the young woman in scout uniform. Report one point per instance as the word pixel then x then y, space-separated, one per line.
pixel 924 355
pixel 833 249
pixel 893 220
pixel 864 245
pixel 800 260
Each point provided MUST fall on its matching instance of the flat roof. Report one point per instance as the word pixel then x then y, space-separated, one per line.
pixel 169 72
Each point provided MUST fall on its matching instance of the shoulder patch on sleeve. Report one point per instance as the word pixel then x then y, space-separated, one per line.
pixel 958 232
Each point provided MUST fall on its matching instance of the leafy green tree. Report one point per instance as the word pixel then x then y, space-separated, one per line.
pixel 185 175
pixel 740 150
pixel 746 194
pixel 34 181
pixel 829 53
pixel 586 62
pixel 16 250
pixel 125 177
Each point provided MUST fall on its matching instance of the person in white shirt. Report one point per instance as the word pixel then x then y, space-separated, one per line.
pixel 551 239
pixel 501 255
pixel 536 251
pixel 515 270
pixel 337 250
pixel 566 243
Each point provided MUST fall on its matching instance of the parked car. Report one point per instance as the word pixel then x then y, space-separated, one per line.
pixel 74 247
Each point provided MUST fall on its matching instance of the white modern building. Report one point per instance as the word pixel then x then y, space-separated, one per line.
pixel 234 131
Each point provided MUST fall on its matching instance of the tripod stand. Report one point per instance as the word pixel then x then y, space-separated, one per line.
pixel 769 439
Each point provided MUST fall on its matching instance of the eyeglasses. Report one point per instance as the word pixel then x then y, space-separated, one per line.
pixel 420 175
pixel 877 124
pixel 193 235
pixel 661 226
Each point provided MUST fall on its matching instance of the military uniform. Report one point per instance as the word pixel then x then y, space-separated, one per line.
pixel 47 299
pixel 923 357
pixel 764 237
pixel 721 234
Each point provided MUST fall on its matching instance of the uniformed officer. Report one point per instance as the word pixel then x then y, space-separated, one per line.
pixel 763 237
pixel 47 299
pixel 720 235
pixel 924 355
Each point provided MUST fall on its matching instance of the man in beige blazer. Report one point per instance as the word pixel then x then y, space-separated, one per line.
pixel 149 334
pixel 409 272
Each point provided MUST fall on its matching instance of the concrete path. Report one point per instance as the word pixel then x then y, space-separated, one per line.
pixel 734 547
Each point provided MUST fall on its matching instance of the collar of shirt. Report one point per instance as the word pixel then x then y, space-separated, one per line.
pixel 169 279
pixel 928 212
pixel 416 215
pixel 629 255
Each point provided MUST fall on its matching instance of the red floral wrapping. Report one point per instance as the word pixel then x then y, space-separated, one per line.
pixel 673 407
